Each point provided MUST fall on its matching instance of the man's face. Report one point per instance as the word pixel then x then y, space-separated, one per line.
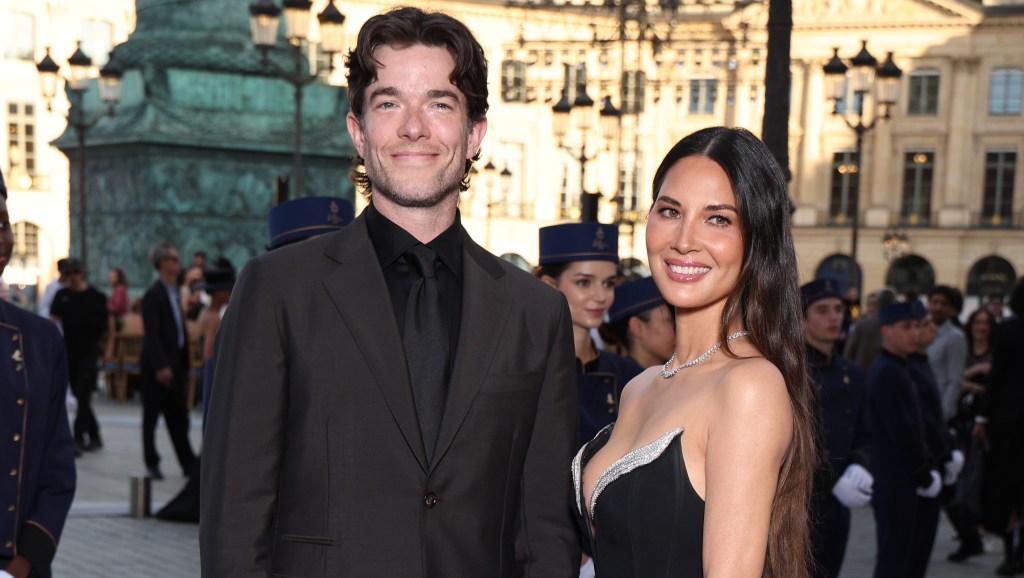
pixel 415 135
pixel 926 334
pixel 824 320
pixel 900 338
pixel 939 308
pixel 171 264
pixel 6 236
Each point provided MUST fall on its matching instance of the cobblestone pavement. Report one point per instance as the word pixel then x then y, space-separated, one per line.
pixel 102 540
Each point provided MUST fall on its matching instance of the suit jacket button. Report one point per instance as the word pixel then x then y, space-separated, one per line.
pixel 429 500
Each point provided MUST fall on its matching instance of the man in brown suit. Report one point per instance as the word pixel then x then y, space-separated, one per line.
pixel 391 399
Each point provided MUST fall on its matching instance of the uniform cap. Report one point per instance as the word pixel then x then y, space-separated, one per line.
pixel 570 242
pixel 306 217
pixel 634 297
pixel 900 311
pixel 817 290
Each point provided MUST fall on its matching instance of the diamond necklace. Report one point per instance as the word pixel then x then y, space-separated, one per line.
pixel 668 373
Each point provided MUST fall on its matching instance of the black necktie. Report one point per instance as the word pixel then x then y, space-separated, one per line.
pixel 426 346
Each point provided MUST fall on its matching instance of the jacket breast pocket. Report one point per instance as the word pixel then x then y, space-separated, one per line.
pixel 297 555
pixel 512 382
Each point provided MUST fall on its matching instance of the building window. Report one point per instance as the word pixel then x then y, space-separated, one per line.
pixel 513 81
pixel 97 40
pixel 703 93
pixel 633 96
pixel 845 177
pixel 17 36
pixel 918 180
pixel 997 205
pixel 21 143
pixel 924 93
pixel 1004 95
pixel 26 243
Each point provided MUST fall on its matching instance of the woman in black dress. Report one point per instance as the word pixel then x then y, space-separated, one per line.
pixel 707 470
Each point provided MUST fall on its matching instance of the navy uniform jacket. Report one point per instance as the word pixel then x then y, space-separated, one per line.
pixel 37 461
pixel 899 450
pixel 937 435
pixel 841 401
pixel 600 383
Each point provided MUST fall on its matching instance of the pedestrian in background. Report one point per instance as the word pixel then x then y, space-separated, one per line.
pixel 964 508
pixel 50 291
pixel 843 480
pixel 1001 423
pixel 901 464
pixel 81 310
pixel 37 447
pixel 165 363
pixel 947 354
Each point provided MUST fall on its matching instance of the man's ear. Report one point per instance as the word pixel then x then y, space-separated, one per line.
pixel 355 130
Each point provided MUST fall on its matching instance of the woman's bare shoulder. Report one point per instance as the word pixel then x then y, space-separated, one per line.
pixel 752 388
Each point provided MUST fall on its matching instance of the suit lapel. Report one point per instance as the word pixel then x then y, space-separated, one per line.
pixel 358 290
pixel 484 310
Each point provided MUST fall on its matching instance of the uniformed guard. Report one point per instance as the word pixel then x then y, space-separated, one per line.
pixel 579 260
pixel 641 322
pixel 903 467
pixel 843 480
pixel 938 441
pixel 37 455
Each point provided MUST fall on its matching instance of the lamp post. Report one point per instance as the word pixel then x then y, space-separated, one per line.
pixel 580 114
pixel 264 18
pixel 865 73
pixel 77 83
pixel 505 181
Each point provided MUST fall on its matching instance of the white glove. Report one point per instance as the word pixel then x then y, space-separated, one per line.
pixel 953 467
pixel 860 477
pixel 932 490
pixel 586 570
pixel 849 492
pixel 5 574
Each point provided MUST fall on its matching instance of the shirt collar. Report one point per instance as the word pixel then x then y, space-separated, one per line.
pixel 392 241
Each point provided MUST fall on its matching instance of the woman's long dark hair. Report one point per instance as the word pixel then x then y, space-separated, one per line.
pixel 767 300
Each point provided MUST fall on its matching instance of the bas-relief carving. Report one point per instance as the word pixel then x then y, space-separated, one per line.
pixel 839 9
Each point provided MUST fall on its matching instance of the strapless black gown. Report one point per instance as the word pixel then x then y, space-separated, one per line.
pixel 648 519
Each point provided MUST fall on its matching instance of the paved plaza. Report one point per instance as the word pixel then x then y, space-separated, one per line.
pixel 101 539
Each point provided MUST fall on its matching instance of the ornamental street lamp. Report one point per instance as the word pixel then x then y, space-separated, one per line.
pixel 264 24
pixel 580 115
pixel 77 83
pixel 864 73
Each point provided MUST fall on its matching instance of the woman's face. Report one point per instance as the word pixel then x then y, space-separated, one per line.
pixel 694 238
pixel 981 327
pixel 589 287
pixel 112 277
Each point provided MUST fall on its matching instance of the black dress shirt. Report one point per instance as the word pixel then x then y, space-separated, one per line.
pixel 392 242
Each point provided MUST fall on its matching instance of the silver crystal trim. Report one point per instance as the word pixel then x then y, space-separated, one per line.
pixel 641 456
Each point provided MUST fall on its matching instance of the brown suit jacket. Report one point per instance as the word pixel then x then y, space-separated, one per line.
pixel 313 463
